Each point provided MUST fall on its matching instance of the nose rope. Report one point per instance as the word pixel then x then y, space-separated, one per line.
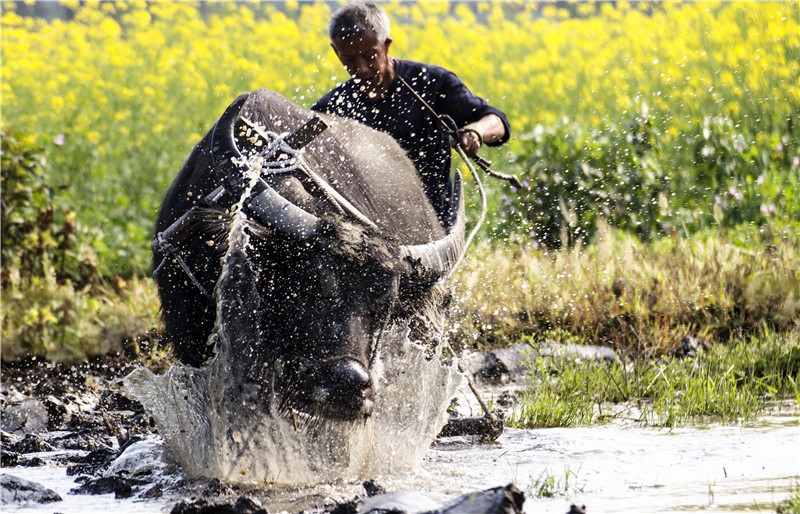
pixel 481 218
pixel 449 127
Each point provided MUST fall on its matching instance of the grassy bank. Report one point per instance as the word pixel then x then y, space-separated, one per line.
pixel 640 298
pixel 737 291
pixel 725 383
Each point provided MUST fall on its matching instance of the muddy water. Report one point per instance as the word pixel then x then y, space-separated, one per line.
pixel 628 469
pixel 56 478
pixel 612 468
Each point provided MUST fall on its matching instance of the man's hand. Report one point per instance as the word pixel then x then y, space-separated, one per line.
pixel 471 140
pixel 489 129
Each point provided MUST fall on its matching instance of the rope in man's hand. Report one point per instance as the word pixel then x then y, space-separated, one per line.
pixel 449 127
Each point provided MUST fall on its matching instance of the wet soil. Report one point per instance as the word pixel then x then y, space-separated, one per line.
pixel 76 416
pixel 73 416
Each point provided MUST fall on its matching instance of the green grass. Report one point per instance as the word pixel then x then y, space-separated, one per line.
pixel 792 504
pixel 60 323
pixel 640 298
pixel 548 485
pixel 727 383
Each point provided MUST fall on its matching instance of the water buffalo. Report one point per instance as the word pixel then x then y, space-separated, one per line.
pixel 345 243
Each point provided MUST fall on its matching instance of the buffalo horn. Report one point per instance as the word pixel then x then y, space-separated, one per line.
pixel 438 258
pixel 264 204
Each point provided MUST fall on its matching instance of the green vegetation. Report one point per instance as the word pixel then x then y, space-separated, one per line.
pixel 56 304
pixel 641 298
pixel 548 485
pixel 640 180
pixel 791 505
pixel 727 383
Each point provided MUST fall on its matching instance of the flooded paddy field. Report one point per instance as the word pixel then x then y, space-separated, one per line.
pixel 617 467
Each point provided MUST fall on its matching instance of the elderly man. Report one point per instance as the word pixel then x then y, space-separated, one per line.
pixel 382 93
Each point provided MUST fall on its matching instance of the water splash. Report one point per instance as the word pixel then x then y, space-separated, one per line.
pixel 222 420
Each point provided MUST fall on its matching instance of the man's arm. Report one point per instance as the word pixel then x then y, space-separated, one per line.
pixel 456 100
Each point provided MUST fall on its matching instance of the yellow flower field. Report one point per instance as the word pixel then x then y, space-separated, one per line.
pixel 120 91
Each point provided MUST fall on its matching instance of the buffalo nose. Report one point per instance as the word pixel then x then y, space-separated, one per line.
pixel 342 389
pixel 349 374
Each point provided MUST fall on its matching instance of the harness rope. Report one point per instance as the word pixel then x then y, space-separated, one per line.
pixel 448 126
pixel 171 250
pixel 288 160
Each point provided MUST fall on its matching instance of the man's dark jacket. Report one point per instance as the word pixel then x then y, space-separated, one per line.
pixel 401 115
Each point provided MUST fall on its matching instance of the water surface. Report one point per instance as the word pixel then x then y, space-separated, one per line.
pixel 611 468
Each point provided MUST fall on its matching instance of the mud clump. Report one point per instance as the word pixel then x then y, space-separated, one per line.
pixel 82 404
pixel 71 416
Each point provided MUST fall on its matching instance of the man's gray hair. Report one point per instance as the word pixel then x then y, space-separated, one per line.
pixel 356 18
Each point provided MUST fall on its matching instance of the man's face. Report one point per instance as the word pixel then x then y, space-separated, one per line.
pixel 366 59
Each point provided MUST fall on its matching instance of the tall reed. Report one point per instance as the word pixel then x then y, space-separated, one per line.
pixel 629 295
